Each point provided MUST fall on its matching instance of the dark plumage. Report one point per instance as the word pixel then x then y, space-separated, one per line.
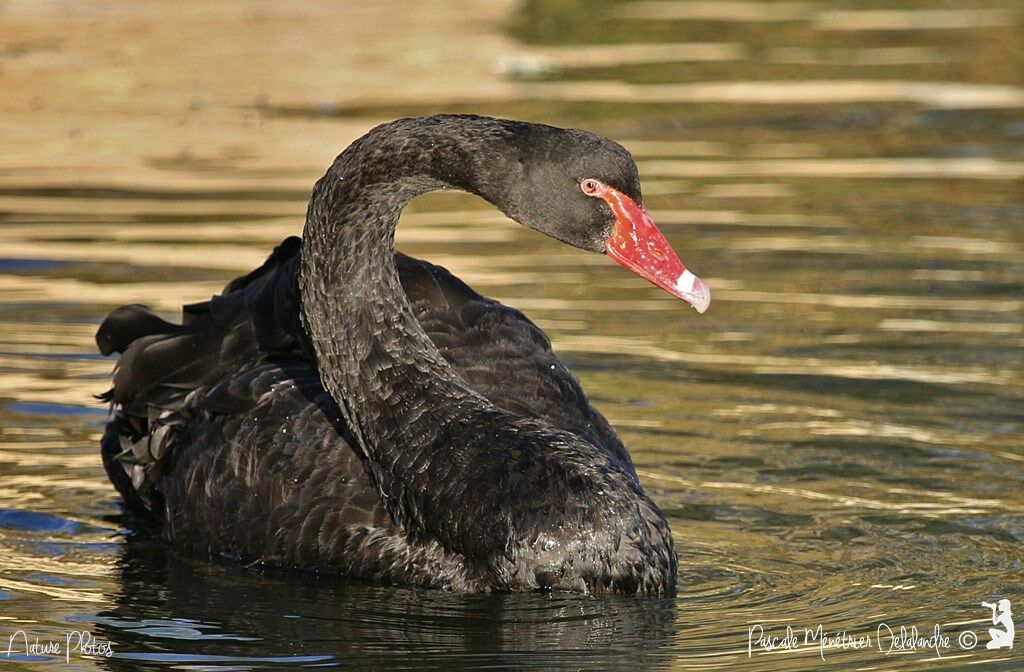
pixel 351 409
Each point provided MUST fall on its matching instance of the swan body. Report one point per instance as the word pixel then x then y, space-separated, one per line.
pixel 347 408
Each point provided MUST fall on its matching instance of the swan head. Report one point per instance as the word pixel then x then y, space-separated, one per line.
pixel 584 190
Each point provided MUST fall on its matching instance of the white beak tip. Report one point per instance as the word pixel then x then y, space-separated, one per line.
pixel 699 295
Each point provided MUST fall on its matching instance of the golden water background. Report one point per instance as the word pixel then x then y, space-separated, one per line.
pixel 838 441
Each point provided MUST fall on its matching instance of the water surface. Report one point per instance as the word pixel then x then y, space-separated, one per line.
pixel 837 442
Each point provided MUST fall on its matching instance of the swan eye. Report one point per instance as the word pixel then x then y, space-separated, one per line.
pixel 590 186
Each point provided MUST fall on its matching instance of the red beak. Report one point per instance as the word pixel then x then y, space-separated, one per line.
pixel 637 244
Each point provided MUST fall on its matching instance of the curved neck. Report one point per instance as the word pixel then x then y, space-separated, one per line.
pixel 396 392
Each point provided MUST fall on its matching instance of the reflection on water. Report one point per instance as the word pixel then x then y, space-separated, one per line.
pixel 299 618
pixel 838 441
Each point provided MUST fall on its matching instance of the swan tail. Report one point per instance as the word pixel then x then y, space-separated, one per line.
pixel 165 370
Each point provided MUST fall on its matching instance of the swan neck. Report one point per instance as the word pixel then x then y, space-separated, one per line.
pixel 372 355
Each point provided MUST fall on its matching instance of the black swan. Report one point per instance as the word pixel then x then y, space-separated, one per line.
pixel 347 408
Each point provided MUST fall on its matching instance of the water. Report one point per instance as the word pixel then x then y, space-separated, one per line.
pixel 838 441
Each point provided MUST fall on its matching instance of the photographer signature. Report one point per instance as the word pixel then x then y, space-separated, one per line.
pixel 79 642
